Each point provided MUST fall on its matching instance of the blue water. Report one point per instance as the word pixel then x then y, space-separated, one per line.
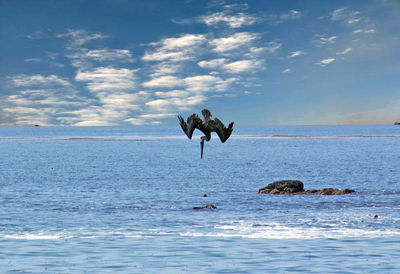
pixel 119 199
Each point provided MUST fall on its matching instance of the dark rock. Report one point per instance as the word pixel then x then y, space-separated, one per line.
pixel 209 206
pixel 328 191
pixel 283 187
pixel 205 195
pixel 296 187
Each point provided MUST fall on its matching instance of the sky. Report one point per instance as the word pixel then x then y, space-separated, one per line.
pixel 142 62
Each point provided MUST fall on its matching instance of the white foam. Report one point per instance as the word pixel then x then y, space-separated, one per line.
pixel 278 231
pixel 40 236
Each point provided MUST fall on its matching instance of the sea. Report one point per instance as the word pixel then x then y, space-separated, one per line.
pixel 120 200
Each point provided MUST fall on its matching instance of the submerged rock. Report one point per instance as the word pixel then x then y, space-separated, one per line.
pixel 329 191
pixel 209 206
pixel 288 187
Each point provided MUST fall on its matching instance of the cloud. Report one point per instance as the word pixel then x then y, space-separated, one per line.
pixel 277 19
pixel 206 83
pixel 83 58
pixel 296 53
pixel 345 51
pixel 242 66
pixel 352 21
pixel 211 64
pixel 366 31
pixel 259 52
pixel 234 21
pixel 36 35
pixel 79 37
pixel 163 81
pixel 165 68
pixel 172 93
pixel 286 70
pixel 110 109
pixel 110 55
pixel 322 40
pixel 237 40
pixel 239 66
pixel 41 100
pixel 108 78
pixel 171 105
pixel 326 61
pixel 345 15
pixel 23 80
pixel 176 49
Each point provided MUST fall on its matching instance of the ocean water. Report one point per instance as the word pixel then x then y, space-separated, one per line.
pixel 120 199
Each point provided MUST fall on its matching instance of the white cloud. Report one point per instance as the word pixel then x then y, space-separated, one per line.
pixel 242 66
pixel 286 70
pixel 326 61
pixel 201 83
pixel 277 19
pixel 82 58
pixel 352 21
pixel 367 31
pixel 296 53
pixel 237 40
pixel 23 80
pixel 111 109
pixel 345 51
pixel 107 78
pixel 234 21
pixel 171 105
pixel 163 81
pixel 42 101
pixel 211 64
pixel 206 83
pixel 172 93
pixel 79 37
pixel 110 55
pixel 345 15
pixel 165 68
pixel 176 49
pixel 232 67
pixel 322 40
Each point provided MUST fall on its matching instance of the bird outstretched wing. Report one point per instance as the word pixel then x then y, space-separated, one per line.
pixel 221 130
pixel 191 124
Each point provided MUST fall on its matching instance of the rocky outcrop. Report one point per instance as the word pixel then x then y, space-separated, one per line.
pixel 209 206
pixel 283 187
pixel 328 191
pixel 290 187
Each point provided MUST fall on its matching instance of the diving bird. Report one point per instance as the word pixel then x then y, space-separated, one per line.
pixel 207 125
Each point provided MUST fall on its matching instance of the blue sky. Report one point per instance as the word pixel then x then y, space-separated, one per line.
pixel 120 62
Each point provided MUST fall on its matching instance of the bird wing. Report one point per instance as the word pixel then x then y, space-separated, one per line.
pixel 221 130
pixel 191 124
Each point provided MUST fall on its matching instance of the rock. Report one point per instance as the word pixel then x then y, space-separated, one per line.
pixel 334 191
pixel 397 123
pixel 287 187
pixel 205 195
pixel 209 206
pixel 283 187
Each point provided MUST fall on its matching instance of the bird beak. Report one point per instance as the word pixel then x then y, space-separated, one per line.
pixel 202 147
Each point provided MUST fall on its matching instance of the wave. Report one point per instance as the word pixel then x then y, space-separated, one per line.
pixel 38 236
pixel 278 231
pixel 240 229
